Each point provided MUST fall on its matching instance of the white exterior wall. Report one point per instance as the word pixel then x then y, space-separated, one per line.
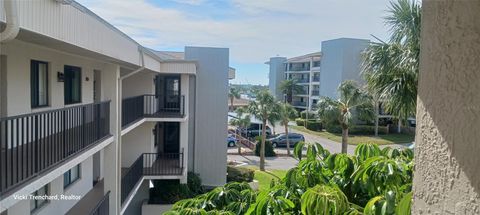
pixel 137 141
pixel 19 54
pixel 211 113
pixel 79 187
pixel 276 76
pixel 74 24
pixel 341 60
pixel 138 84
pixel 178 67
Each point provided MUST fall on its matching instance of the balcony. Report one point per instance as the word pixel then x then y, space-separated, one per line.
pixel 303 81
pixel 32 144
pixel 315 92
pixel 151 164
pixel 95 202
pixel 316 78
pixel 299 104
pixel 144 106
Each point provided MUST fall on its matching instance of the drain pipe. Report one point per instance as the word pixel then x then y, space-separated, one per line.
pixel 11 18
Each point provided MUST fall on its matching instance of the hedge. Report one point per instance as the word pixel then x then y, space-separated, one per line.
pixel 314 125
pixel 300 121
pixel 311 115
pixel 268 148
pixel 358 129
pixel 239 174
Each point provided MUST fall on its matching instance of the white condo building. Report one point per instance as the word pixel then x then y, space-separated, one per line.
pixel 319 73
pixel 88 113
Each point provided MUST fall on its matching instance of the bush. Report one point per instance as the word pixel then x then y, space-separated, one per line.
pixel 268 148
pixel 300 121
pixel 357 129
pixel 239 174
pixel 171 191
pixel 311 115
pixel 314 125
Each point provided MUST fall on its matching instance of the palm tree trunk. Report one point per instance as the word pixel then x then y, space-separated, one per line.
pixel 262 146
pixel 238 144
pixel 344 140
pixel 288 141
pixel 231 103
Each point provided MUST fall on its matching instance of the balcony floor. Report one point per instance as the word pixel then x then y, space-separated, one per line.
pixel 89 201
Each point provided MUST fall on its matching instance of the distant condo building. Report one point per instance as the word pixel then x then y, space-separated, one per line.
pixel 319 73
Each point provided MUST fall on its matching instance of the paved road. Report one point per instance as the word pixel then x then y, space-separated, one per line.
pixel 270 162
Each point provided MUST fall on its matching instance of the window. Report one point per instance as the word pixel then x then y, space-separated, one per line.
pixel 316 63
pixel 71 176
pixel 39 83
pixel 41 200
pixel 73 84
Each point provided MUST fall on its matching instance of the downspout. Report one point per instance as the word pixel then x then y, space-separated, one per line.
pixel 11 18
pixel 119 120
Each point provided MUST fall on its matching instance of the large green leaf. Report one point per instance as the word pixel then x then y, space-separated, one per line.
pixel 324 200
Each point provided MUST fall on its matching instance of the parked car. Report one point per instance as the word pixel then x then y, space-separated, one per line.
pixel 281 139
pixel 231 140
pixel 255 129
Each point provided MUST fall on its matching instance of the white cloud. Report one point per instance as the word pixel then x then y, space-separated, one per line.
pixel 262 28
pixel 190 2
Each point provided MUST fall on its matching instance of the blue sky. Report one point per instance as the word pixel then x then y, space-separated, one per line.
pixel 254 30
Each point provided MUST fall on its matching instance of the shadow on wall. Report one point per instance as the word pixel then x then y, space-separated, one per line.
pixel 447 160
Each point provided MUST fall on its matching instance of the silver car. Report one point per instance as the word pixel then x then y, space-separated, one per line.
pixel 281 139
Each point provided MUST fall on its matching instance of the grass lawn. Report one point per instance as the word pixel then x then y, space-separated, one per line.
pixel 264 178
pixel 357 139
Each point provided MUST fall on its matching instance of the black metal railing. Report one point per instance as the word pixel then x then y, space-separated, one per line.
pixel 151 164
pixel 137 107
pixel 315 92
pixel 102 208
pixel 301 104
pixel 304 80
pixel 316 78
pixel 30 144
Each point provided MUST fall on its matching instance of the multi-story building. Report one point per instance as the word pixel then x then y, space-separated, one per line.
pixel 319 73
pixel 89 116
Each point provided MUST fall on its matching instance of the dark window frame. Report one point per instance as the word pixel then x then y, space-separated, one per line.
pixel 36 201
pixel 34 83
pixel 68 97
pixel 69 182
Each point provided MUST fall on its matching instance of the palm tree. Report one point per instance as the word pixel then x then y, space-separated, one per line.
pixel 242 121
pixel 263 108
pixel 290 87
pixel 391 68
pixel 233 93
pixel 286 113
pixel 340 111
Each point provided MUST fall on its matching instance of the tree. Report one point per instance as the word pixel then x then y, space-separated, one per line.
pixel 286 113
pixel 340 111
pixel 263 108
pixel 233 93
pixel 391 68
pixel 289 87
pixel 242 121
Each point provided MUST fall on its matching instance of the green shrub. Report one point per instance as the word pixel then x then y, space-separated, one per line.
pixel 367 130
pixel 239 174
pixel 268 148
pixel 171 191
pixel 300 121
pixel 314 125
pixel 311 114
pixel 357 129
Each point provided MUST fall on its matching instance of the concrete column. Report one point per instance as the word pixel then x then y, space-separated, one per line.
pixel 111 162
pixel 184 126
pixel 447 175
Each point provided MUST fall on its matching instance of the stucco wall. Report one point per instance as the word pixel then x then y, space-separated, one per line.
pixel 276 76
pixel 79 187
pixel 447 176
pixel 137 141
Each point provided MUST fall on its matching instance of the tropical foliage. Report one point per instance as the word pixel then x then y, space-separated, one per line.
pixel 290 87
pixel 233 93
pixel 242 120
pixel 340 112
pixel 391 68
pixel 265 109
pixel 370 182
pixel 286 113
